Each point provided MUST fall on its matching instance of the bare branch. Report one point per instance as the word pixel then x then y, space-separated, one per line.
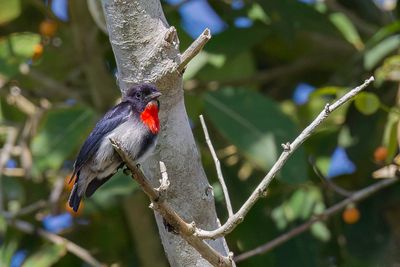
pixel 328 183
pixel 21 102
pixel 217 166
pixel 238 217
pixel 25 210
pixel 194 49
pixel 356 197
pixel 166 211
pixel 78 251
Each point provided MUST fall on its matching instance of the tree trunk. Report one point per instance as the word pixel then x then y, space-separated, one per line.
pixel 147 50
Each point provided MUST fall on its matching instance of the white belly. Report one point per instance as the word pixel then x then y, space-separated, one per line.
pixel 105 162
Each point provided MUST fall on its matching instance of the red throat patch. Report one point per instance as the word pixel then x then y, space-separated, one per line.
pixel 149 116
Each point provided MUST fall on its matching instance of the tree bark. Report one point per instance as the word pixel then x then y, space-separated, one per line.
pixel 147 50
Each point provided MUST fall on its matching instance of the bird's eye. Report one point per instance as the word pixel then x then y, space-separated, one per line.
pixel 138 95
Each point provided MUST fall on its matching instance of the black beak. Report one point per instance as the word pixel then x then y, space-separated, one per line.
pixel 153 96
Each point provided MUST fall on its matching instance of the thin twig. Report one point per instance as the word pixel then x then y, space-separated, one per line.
pixel 288 150
pixel 169 214
pixel 361 24
pixel 25 210
pixel 21 102
pixel 194 49
pixel 78 251
pixel 356 197
pixel 4 157
pixel 329 184
pixel 217 166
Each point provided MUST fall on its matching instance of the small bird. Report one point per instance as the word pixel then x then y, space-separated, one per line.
pixel 133 122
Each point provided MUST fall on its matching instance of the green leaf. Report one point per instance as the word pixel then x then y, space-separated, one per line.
pixel 323 164
pixel 320 231
pixel 389 71
pixel 373 56
pixel 196 64
pixel 301 205
pixel 60 133
pixel 9 10
pixel 345 139
pixel 346 27
pixel 312 197
pixel 297 201
pixel 383 33
pixel 256 12
pixel 19 45
pixel 367 103
pixel 278 215
pixel 47 256
pixel 257 126
pixel 14 50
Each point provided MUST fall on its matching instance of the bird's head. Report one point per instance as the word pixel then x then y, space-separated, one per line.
pixel 142 96
pixel 144 99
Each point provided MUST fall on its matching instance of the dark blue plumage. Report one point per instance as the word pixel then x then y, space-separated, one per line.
pixel 132 123
pixel 111 120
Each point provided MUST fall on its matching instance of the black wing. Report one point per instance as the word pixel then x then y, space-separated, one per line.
pixel 111 120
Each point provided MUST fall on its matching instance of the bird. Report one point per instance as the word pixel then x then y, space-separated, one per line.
pixel 134 123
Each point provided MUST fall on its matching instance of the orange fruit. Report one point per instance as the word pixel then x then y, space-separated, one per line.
pixel 37 51
pixel 380 153
pixel 48 27
pixel 72 212
pixel 351 215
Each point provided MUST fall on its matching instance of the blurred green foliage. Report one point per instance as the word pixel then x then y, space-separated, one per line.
pixel 257 86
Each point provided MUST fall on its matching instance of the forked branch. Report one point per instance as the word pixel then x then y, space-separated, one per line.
pixel 159 204
pixel 288 150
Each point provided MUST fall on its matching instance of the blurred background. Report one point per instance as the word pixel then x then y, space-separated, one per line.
pixel 267 72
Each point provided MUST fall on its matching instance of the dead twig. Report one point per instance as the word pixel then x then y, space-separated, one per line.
pixel 217 166
pixel 194 49
pixel 159 204
pixel 288 150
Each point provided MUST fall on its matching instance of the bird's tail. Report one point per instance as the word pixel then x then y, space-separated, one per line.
pixel 72 175
pixel 74 198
